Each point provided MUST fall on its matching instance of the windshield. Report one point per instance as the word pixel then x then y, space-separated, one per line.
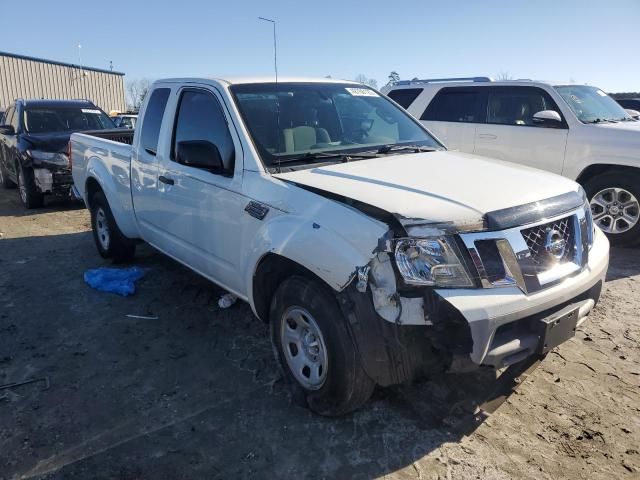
pixel 289 120
pixel 65 119
pixel 592 105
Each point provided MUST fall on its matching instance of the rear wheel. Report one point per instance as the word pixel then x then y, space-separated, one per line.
pixel 615 205
pixel 29 194
pixel 110 241
pixel 314 349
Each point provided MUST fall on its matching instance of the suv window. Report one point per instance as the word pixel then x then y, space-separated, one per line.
pixel 153 119
pixel 404 96
pixel 517 105
pixel 455 105
pixel 200 117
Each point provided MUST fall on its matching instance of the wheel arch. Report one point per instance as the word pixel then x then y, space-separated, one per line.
pixel 600 168
pixel 270 272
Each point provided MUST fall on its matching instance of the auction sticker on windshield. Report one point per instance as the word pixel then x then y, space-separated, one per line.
pixel 361 92
pixel 89 110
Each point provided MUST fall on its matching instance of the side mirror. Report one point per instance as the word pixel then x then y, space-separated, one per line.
pixel 547 118
pixel 7 130
pixel 632 113
pixel 200 154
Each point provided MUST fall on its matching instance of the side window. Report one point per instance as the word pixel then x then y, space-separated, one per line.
pixel 455 105
pixel 404 96
pixel 153 119
pixel 517 105
pixel 200 118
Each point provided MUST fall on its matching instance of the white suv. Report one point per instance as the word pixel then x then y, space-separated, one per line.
pixel 574 130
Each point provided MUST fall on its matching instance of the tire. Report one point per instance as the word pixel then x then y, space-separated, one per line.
pixel 29 195
pixel 607 193
pixel 340 386
pixel 110 241
pixel 4 178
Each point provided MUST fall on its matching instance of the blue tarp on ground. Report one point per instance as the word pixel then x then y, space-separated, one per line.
pixel 120 281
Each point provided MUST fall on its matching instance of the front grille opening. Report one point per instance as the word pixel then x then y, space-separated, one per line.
pixel 539 239
pixel 491 260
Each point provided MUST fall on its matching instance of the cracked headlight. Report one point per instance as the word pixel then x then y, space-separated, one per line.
pixel 431 261
pixel 49 157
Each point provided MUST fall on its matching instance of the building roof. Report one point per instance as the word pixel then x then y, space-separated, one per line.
pixel 54 62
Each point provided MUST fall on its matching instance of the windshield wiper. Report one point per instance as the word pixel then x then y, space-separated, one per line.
pixel 311 156
pixel 398 148
pixel 602 120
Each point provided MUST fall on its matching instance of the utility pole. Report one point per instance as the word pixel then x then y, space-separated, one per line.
pixel 275 47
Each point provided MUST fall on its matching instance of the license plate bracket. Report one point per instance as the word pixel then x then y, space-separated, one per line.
pixel 557 328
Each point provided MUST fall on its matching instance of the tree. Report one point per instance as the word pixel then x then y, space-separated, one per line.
pixel 393 77
pixel 504 76
pixel 366 81
pixel 136 91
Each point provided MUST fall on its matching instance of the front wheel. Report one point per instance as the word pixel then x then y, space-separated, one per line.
pixel 615 205
pixel 110 241
pixel 314 350
pixel 29 194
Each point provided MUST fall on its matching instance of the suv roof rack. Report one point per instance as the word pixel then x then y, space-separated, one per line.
pixel 440 80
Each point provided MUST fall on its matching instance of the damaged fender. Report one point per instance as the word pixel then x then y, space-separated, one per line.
pixel 331 241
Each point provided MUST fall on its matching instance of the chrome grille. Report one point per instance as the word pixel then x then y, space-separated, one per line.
pixel 537 239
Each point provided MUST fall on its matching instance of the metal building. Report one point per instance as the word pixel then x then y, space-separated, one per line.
pixel 29 77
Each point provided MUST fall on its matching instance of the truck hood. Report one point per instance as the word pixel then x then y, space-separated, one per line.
pixel 439 188
pixel 47 142
pixel 620 126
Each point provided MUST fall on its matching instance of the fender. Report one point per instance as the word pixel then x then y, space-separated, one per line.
pixel 316 243
pixel 115 182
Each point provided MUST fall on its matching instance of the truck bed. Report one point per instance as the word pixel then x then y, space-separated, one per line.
pixel 107 155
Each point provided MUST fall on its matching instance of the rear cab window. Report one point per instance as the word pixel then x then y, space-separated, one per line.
pixel 153 120
pixel 404 96
pixel 456 104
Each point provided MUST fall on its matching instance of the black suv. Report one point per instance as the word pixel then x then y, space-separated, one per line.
pixel 33 145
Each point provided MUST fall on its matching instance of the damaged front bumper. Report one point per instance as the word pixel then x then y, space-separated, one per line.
pixel 53 179
pixel 401 334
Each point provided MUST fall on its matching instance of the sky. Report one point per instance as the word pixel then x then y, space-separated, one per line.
pixel 586 41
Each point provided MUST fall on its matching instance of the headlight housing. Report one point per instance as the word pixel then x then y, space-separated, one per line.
pixel 49 157
pixel 431 261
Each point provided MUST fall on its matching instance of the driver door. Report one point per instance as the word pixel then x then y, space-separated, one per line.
pixel 203 210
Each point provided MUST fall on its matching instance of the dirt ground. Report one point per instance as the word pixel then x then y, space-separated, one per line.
pixel 195 393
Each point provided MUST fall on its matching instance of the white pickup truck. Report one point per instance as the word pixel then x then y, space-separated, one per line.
pixel 376 255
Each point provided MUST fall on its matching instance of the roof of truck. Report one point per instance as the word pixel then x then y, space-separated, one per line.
pixel 45 102
pixel 260 79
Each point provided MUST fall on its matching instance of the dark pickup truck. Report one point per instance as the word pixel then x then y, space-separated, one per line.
pixel 33 145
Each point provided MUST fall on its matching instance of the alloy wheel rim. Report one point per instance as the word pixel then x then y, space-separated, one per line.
pixel 304 347
pixel 615 210
pixel 21 186
pixel 102 229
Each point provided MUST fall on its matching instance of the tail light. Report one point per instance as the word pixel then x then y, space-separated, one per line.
pixel 69 155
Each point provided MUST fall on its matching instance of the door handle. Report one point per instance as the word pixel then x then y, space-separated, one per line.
pixel 168 181
pixel 488 136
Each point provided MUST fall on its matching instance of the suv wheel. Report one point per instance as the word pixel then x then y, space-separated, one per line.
pixel 615 205
pixel 29 194
pixel 314 350
pixel 110 241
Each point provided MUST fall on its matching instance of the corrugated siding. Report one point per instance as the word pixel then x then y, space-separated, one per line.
pixel 29 79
